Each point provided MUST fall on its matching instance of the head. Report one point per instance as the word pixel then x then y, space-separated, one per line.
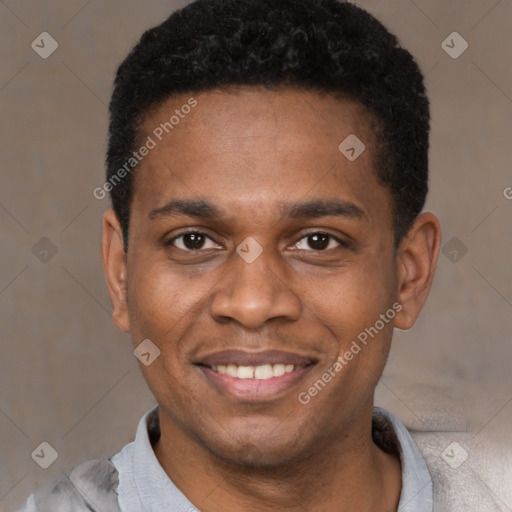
pixel 241 222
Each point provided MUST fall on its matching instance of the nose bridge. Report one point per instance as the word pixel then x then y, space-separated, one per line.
pixel 252 293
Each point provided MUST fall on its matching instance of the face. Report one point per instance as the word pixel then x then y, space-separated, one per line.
pixel 258 254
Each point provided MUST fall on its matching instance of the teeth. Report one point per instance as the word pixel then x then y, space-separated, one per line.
pixel 245 372
pixel 262 372
pixel 231 370
pixel 280 369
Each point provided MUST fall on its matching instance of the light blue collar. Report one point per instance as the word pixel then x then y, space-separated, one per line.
pixel 144 485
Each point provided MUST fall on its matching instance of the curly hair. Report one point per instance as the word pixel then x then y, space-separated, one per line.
pixel 320 45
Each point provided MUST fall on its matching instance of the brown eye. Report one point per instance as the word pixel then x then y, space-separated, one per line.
pixel 319 241
pixel 191 241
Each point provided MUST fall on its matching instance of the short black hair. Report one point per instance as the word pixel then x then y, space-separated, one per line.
pixel 320 45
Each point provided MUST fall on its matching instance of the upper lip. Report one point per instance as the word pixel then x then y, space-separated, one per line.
pixel 243 358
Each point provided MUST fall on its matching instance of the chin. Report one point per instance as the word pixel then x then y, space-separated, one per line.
pixel 256 451
pixel 251 456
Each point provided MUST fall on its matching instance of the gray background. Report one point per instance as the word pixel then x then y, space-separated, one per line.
pixel 69 378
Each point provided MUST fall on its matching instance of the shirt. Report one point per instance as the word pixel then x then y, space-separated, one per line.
pixel 134 481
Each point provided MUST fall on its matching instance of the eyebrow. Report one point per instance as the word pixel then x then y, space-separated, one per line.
pixel 203 209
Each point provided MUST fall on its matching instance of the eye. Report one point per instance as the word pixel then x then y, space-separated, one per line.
pixel 319 241
pixel 191 241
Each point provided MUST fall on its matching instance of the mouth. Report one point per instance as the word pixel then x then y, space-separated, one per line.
pixel 258 376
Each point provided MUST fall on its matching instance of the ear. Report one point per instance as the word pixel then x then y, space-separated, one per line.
pixel 417 260
pixel 114 266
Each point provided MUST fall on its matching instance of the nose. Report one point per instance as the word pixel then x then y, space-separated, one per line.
pixel 254 293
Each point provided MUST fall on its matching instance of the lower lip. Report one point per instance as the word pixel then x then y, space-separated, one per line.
pixel 255 390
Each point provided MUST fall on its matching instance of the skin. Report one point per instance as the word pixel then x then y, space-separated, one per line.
pixel 246 150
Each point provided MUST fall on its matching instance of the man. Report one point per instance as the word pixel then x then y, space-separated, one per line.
pixel 268 167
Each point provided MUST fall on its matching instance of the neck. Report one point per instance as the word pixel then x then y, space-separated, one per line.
pixel 349 473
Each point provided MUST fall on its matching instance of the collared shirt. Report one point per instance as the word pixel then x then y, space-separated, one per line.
pixel 134 481
pixel 144 485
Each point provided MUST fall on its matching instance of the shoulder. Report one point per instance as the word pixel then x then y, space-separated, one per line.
pixel 91 486
pixel 463 476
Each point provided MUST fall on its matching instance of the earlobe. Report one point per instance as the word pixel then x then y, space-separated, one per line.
pixel 417 261
pixel 114 266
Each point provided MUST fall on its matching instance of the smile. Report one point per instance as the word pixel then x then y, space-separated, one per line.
pixel 254 376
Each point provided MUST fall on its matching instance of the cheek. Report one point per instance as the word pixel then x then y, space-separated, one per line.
pixel 163 307
pixel 352 300
pixel 162 302
pixel 351 306
pixel 362 340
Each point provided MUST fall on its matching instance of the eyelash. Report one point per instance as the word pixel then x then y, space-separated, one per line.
pixel 342 243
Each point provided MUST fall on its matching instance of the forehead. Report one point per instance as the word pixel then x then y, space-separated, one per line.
pixel 254 147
